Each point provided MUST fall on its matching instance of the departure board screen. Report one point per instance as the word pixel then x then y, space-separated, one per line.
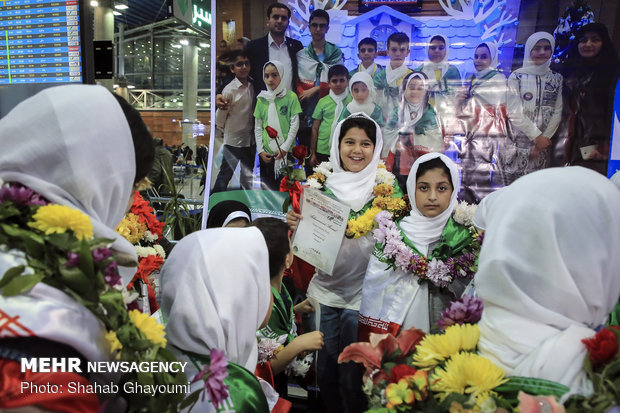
pixel 40 42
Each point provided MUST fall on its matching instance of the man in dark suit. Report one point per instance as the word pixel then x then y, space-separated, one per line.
pixel 274 46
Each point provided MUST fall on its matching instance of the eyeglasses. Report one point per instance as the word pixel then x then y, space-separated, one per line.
pixel 318 25
pixel 242 63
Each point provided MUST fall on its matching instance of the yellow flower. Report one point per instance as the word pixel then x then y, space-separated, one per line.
pixel 115 345
pixel 149 327
pixel 383 190
pixel 58 219
pixel 435 348
pixel 131 228
pixel 396 204
pixel 318 176
pixel 467 373
pixel 360 226
pixel 399 393
pixel 381 166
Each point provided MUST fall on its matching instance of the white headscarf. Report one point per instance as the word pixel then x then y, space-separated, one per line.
pixel 270 96
pixel 548 272
pixel 406 107
pixel 529 66
pixel 368 106
pixel 615 178
pixel 72 144
pixel 429 67
pixel 492 46
pixel 421 230
pixel 353 189
pixel 216 292
pixel 339 99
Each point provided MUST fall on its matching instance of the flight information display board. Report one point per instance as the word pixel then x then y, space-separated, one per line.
pixel 40 42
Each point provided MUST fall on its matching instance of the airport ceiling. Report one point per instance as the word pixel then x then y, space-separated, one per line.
pixel 142 12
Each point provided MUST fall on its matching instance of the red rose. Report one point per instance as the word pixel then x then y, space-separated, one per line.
pixel 400 371
pixel 273 134
pixel 300 152
pixel 602 347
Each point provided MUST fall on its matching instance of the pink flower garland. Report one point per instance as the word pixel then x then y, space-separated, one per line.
pixel 398 255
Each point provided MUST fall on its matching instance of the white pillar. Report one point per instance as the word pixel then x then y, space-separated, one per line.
pixel 190 92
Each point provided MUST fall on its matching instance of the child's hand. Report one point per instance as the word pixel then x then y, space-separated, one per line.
pixel 304 307
pixel 221 102
pixel 292 219
pixel 306 94
pixel 310 341
pixel 281 154
pixel 313 160
pixel 266 157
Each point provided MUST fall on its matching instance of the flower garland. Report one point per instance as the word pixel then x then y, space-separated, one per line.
pixel 397 254
pixel 141 227
pixel 362 222
pixel 60 251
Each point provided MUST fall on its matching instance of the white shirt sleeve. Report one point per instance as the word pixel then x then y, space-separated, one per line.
pixel 258 135
pixel 292 133
pixel 514 111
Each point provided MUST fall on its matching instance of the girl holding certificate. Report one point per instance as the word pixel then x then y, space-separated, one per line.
pixel 355 177
pixel 423 261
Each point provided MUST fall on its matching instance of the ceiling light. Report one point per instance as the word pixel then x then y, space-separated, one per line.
pixel 121 6
pixel 131 87
pixel 117 13
pixel 202 44
pixel 94 3
pixel 184 42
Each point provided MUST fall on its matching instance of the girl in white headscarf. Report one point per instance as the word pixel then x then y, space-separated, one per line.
pixel 279 109
pixel 413 127
pixel 548 272
pixel 394 298
pixel 485 106
pixel 443 78
pixel 539 93
pixel 85 148
pixel 354 160
pixel 213 297
pixel 362 89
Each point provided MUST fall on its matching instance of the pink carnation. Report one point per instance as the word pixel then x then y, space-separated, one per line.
pixel 213 376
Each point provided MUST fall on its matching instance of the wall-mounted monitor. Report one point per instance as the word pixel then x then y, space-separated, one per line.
pixel 43 43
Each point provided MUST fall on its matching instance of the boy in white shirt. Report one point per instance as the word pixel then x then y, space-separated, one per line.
pixel 236 122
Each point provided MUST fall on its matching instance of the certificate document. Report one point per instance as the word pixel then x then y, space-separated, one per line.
pixel 320 233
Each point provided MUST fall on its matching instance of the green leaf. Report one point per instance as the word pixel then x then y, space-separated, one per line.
pixel 190 400
pixel 8 210
pixel 10 274
pixel 86 260
pixel 21 284
pixel 61 241
pixel 285 205
pixel 34 248
pixel 75 280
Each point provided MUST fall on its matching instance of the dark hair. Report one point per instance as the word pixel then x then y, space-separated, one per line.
pixel 337 70
pixel 278 6
pixel 220 211
pixel 142 139
pixel 320 13
pixel 406 81
pixel 367 40
pixel 483 44
pixel 275 232
pixel 235 54
pixel 437 38
pixel 398 37
pixel 365 124
pixel 435 163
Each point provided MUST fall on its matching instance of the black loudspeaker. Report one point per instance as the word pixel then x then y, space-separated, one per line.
pixel 104 59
